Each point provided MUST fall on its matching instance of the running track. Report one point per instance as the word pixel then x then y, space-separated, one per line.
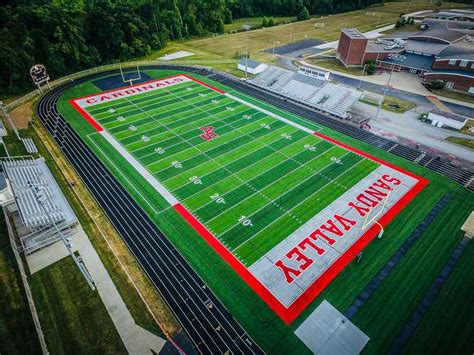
pixel 212 330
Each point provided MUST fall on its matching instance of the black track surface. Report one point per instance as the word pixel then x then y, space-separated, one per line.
pixel 206 321
pixel 211 328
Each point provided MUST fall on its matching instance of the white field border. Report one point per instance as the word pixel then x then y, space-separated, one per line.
pixel 286 314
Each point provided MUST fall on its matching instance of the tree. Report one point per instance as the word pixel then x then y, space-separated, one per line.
pixel 271 22
pixel 303 14
pixel 264 21
pixel 370 67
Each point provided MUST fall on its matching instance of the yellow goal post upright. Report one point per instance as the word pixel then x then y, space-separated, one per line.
pixel 130 80
pixel 373 220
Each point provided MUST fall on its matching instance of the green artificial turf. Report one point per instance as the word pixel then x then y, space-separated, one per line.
pixel 388 309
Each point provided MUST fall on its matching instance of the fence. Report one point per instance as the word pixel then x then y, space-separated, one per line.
pixel 197 63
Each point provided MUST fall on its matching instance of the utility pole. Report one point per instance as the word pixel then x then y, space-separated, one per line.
pixel 385 89
pixel 10 121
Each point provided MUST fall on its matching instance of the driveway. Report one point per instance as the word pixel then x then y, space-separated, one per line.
pixel 408 127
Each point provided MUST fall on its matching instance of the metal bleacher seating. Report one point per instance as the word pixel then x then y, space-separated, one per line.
pixel 328 97
pixel 25 178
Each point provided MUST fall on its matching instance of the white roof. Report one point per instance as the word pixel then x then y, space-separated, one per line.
pixel 38 197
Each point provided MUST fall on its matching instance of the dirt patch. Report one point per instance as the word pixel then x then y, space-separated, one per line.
pixel 22 115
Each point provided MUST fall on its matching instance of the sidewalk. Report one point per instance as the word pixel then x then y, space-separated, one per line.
pixel 136 339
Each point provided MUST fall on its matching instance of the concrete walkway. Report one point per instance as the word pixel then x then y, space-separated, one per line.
pixel 136 339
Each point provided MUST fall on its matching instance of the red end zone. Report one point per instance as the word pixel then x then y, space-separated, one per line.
pixel 289 314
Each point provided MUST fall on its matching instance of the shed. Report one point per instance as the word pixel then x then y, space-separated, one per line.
pixel 447 119
pixel 251 66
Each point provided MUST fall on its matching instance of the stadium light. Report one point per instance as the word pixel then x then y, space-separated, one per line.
pixel 42 198
pixel 273 51
pixel 398 58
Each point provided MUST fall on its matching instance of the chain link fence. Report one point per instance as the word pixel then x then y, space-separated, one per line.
pixel 192 63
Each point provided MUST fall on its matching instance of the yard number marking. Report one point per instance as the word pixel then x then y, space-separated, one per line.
pixel 195 180
pixel 132 128
pixel 309 147
pixel 245 221
pixel 336 160
pixel 120 118
pixel 208 133
pixel 145 138
pixel 286 136
pixel 176 164
pixel 217 198
pixel 159 150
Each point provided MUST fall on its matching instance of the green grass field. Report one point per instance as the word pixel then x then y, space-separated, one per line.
pixel 381 318
pixel 256 41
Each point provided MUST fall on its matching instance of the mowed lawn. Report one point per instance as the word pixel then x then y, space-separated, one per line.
pixel 253 184
pixel 227 46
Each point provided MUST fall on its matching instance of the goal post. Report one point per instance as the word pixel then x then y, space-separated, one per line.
pixel 130 80
pixel 369 221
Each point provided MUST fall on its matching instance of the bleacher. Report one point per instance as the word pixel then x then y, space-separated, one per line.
pixel 25 177
pixel 39 201
pixel 334 99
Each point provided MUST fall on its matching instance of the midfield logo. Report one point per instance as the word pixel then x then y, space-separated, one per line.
pixel 208 133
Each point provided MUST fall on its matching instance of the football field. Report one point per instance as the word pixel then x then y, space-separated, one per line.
pixel 285 206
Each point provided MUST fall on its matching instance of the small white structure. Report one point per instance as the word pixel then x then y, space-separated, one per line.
pixel 326 331
pixel 314 73
pixel 251 66
pixel 447 119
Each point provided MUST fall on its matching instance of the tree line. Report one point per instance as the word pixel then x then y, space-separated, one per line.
pixel 72 35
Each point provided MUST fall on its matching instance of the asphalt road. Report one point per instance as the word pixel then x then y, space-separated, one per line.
pixel 208 324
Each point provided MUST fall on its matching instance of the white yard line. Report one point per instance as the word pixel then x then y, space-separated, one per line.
pixel 188 119
pixel 240 171
pixel 147 155
pixel 204 163
pixel 152 101
pixel 137 117
pixel 307 198
pixel 203 151
pixel 196 128
pixel 269 113
pixel 273 182
pixel 140 169
pixel 125 177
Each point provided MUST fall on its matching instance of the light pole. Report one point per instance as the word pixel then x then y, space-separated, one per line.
pixel 360 80
pixel 385 89
pixel 273 51
pixel 41 197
